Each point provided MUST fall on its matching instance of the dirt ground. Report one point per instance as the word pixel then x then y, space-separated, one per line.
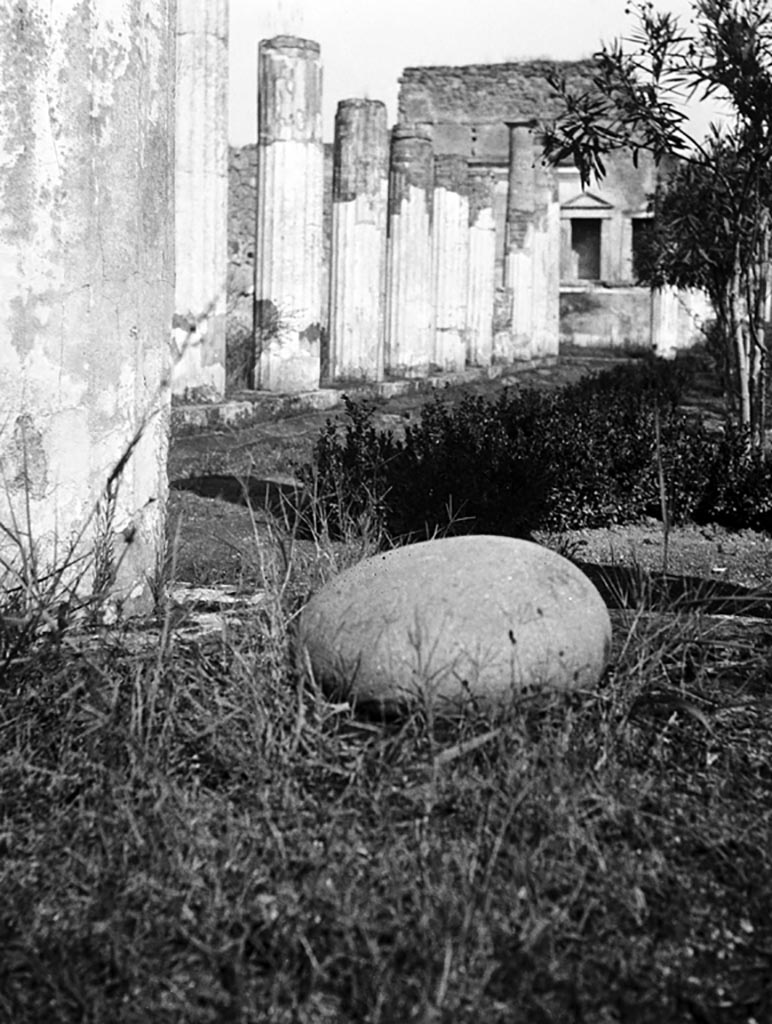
pixel 216 538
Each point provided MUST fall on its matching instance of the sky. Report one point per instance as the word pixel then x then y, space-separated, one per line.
pixel 365 44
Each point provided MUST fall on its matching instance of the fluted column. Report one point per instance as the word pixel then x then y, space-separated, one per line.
pixel 289 243
pixel 482 267
pixel 409 321
pixel 358 259
pixel 545 326
pixel 201 198
pixel 86 295
pixel 450 260
pixel 513 341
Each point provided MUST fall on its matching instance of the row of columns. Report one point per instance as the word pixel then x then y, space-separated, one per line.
pixel 412 278
pixel 412 275
pixel 412 284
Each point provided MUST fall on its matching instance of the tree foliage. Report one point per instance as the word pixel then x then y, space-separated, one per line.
pixel 712 214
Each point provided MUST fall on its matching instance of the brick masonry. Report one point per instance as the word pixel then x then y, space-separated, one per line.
pixel 485 92
pixel 469 105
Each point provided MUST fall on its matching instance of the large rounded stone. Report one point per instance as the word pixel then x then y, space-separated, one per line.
pixel 448 620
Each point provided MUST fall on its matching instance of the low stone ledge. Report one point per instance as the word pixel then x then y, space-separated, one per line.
pixel 250 407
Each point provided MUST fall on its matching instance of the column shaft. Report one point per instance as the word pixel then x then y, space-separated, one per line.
pixel 482 268
pixel 358 259
pixel 513 341
pixel 201 198
pixel 450 261
pixel 409 322
pixel 545 328
pixel 86 290
pixel 531 253
pixel 289 243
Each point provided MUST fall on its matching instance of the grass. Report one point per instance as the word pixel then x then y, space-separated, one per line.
pixel 190 832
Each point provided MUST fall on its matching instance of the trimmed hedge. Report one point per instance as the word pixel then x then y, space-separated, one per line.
pixel 585 456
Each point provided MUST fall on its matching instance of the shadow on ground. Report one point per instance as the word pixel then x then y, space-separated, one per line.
pixel 623 586
pixel 276 496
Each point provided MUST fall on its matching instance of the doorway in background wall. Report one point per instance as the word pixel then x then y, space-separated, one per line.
pixel 585 245
pixel 642 233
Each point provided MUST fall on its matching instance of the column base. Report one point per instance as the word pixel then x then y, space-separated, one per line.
pixel 450 350
pixel 288 371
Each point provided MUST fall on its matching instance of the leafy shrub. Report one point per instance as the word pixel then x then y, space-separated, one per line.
pixel 351 470
pixel 466 470
pixel 455 472
pixel 738 489
pixel 586 456
pixel 600 442
pixel 688 452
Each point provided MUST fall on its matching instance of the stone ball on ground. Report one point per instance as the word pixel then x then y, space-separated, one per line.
pixel 447 621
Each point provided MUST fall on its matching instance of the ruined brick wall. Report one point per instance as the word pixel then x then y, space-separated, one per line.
pixel 242 179
pixel 469 105
pixel 485 92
